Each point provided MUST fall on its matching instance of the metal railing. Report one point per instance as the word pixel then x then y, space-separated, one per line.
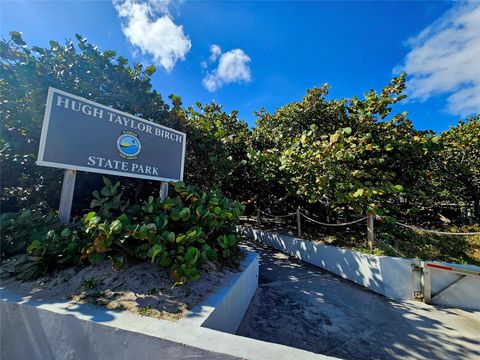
pixel 426 266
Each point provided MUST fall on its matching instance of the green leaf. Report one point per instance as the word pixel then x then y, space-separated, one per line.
pixel 143 250
pixel 358 193
pixel 94 220
pixel 150 70
pixel 34 246
pixel 16 37
pixel 102 245
pixel 165 260
pixel 123 218
pixel 192 255
pixel 171 236
pixel 211 254
pixel 398 188
pixel 116 226
pixel 179 185
pixel 106 191
pixel 107 181
pixel 155 251
pixel 89 216
pixel 96 258
pixel 223 241
pixel 95 203
pixel 180 238
pixel 66 233
pixel 231 240
pixel 175 215
pixel 185 214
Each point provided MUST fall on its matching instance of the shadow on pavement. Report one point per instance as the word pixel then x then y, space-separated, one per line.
pixel 300 305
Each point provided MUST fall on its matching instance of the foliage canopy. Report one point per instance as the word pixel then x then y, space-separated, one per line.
pixel 334 157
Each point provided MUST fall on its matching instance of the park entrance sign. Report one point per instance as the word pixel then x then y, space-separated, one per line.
pixel 79 134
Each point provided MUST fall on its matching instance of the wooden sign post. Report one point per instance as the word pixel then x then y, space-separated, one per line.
pixel 163 190
pixel 66 196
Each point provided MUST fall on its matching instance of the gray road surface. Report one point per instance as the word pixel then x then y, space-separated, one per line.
pixel 300 305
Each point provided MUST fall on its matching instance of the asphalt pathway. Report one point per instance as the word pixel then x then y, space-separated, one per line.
pixel 300 305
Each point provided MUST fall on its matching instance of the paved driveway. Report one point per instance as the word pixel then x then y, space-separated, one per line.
pixel 300 305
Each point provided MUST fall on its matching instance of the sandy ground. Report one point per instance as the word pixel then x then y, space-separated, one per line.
pixel 141 288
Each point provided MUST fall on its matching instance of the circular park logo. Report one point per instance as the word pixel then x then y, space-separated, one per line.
pixel 128 145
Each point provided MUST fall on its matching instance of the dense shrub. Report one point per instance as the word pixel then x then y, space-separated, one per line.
pixel 345 155
pixel 181 232
pixel 333 157
pixel 26 73
pixel 58 247
pixel 391 240
pixel 215 139
pixel 21 228
pixel 38 231
pixel 427 246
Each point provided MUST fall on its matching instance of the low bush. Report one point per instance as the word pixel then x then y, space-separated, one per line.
pixel 180 233
pixel 393 241
pixel 19 229
pixel 428 246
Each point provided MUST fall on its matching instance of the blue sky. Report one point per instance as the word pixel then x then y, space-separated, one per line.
pixel 268 53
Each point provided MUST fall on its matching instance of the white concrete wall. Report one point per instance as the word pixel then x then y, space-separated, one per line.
pixel 39 330
pixel 225 310
pixel 386 275
pixel 51 329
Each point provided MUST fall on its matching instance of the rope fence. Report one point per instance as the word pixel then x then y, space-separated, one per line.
pixel 277 216
pixel 370 218
pixel 331 224
pixel 415 228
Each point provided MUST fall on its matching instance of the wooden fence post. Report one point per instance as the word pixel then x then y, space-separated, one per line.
pixel 370 238
pixel 66 196
pixel 163 190
pixel 299 223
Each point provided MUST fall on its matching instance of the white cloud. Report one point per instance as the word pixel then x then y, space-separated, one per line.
pixel 445 59
pixel 215 52
pixel 232 67
pixel 149 27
